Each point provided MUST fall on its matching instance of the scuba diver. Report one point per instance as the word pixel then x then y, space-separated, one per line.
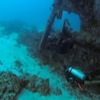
pixel 81 79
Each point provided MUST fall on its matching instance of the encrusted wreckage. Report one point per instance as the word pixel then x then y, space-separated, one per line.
pixel 11 85
pixel 88 10
pixel 79 48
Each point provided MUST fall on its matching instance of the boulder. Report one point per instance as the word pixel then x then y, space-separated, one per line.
pixel 97 10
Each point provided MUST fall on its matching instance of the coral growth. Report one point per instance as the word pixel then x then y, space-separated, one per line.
pixel 18 63
pixel 31 39
pixel 10 86
pixel 83 51
pixel 40 85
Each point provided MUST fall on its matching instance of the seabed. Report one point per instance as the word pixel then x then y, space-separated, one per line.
pixel 16 60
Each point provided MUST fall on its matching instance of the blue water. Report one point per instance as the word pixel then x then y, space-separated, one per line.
pixel 34 12
pixel 73 19
pixel 16 58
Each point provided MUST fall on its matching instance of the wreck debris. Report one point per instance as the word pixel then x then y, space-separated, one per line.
pixel 40 85
pixel 12 85
pixel 97 10
pixel 77 47
pixel 88 11
pixel 55 12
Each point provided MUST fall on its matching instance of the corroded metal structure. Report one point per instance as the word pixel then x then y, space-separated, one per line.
pixel 86 9
pixel 55 12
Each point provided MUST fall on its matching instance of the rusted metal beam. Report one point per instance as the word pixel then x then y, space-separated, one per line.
pixel 55 12
pixel 47 31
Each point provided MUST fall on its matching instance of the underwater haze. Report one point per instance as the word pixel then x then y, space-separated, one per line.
pixel 25 73
pixel 34 12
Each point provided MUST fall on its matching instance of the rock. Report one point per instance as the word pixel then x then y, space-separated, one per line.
pixel 18 63
pixel 98 41
pixel 97 10
pixel 10 85
pixel 40 85
pixel 44 87
pixel 57 91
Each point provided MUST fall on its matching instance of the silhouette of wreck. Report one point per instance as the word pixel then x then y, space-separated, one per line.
pixel 82 48
pixel 86 9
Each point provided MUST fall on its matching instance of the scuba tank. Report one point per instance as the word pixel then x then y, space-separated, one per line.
pixel 82 79
pixel 74 75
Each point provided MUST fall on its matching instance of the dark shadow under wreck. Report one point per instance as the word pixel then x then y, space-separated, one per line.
pixel 67 48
